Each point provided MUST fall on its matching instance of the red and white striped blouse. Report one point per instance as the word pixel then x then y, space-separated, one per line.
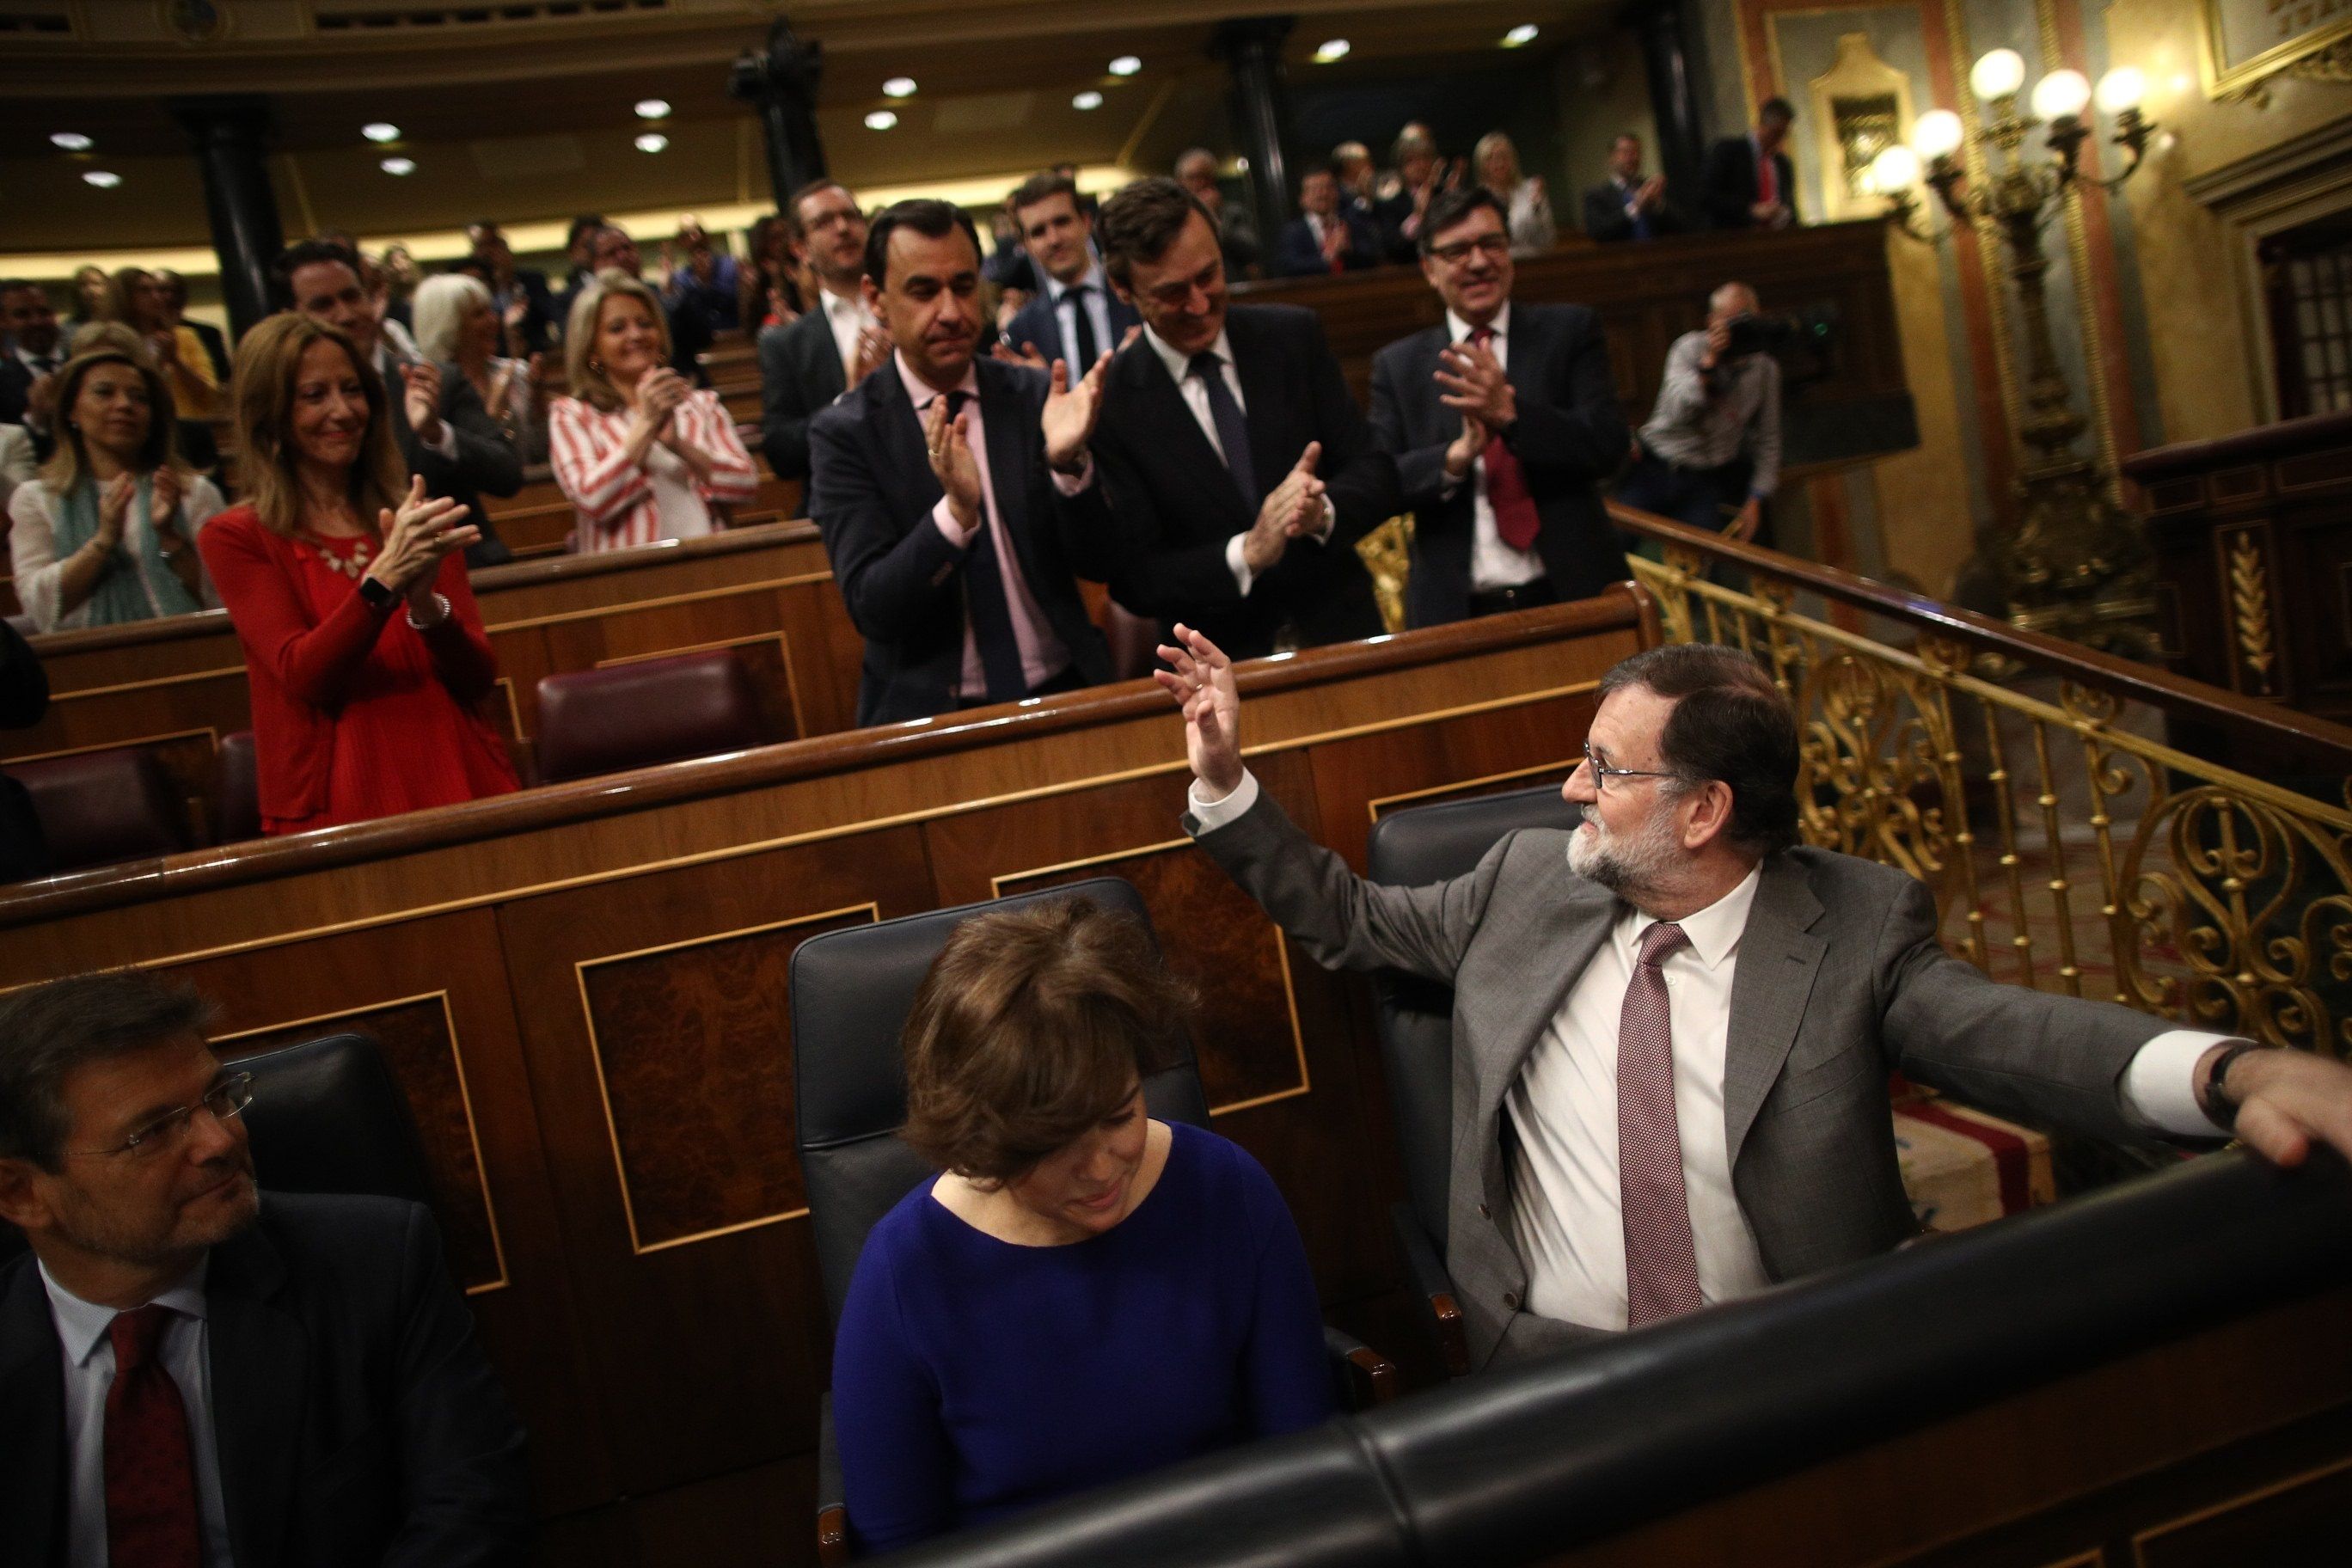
pixel 621 503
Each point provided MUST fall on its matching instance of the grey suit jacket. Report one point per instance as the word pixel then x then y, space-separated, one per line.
pixel 1839 979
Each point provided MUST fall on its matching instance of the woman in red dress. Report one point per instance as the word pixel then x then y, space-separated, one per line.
pixel 364 649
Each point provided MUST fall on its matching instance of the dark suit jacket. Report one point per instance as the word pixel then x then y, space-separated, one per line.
pixel 1038 322
pixel 543 327
pixel 356 1419
pixel 1299 255
pixel 871 491
pixel 15 393
pixel 485 464
pixel 1570 434
pixel 1730 184
pixel 1176 505
pixel 23 698
pixel 800 375
pixel 1605 219
pixel 1839 979
pixel 215 346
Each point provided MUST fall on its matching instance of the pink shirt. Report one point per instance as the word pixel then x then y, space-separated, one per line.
pixel 621 503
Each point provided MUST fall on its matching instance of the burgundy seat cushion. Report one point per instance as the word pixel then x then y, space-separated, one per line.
pixel 236 790
pixel 97 807
pixel 651 710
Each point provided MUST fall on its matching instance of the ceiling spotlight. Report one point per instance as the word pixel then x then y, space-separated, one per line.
pixel 1089 98
pixel 880 120
pixel 71 141
pixel 651 142
pixel 1520 35
pixel 380 131
pixel 399 165
pixel 1126 64
pixel 653 108
pixel 899 87
pixel 104 179
pixel 1330 49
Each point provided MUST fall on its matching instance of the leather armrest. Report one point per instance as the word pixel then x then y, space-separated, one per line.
pixel 1430 1281
pixel 1362 1377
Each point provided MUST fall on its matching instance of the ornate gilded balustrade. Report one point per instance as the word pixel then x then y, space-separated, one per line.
pixel 2044 791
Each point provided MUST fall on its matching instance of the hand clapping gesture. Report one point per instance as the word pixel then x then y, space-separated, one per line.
pixel 1474 383
pixel 163 499
pixel 1201 681
pixel 114 498
pixel 1466 448
pixel 415 540
pixel 950 449
pixel 1294 507
pixel 1070 413
pixel 1030 355
pixel 659 394
pixel 422 399
pixel 874 350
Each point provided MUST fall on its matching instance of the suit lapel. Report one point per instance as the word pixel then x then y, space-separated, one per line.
pixel 33 1392
pixel 824 356
pixel 906 466
pixel 1265 408
pixel 1567 921
pixel 260 1364
pixel 1163 422
pixel 1778 957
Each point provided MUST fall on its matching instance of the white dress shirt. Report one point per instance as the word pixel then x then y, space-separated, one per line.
pixel 1492 563
pixel 847 316
pixel 90 1372
pixel 1567 1220
pixel 1196 398
pixel 1065 313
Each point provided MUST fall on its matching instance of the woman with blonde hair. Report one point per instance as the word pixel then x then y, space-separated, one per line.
pixel 1533 231
pixel 365 653
pixel 640 455
pixel 457 323
pixel 104 534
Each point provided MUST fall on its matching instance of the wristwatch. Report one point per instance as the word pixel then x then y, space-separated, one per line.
pixel 2219 1103
pixel 379 594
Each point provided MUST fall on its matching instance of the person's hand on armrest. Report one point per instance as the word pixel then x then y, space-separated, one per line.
pixel 2283 1101
pixel 1201 679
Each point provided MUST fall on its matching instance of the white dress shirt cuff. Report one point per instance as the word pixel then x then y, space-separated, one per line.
pixel 447 447
pixel 1330 520
pixel 954 533
pixel 1078 483
pixel 1213 815
pixel 2159 1087
pixel 1238 564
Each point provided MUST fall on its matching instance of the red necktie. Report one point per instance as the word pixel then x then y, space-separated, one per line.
pixel 151 1479
pixel 1506 483
pixel 1768 178
pixel 1661 1263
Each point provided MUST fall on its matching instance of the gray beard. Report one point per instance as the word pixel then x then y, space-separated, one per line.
pixel 1636 867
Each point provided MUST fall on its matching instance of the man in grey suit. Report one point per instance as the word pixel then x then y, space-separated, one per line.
pixel 1672 1026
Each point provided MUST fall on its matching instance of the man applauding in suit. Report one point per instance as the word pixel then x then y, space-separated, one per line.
pixel 955 493
pixel 1241 472
pixel 196 1372
pixel 1629 207
pixel 1074 317
pixel 1502 419
pixel 836 341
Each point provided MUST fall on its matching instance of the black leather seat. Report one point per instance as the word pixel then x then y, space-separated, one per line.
pixel 647 711
pixel 236 790
pixel 101 807
pixel 1415 1026
pixel 851 992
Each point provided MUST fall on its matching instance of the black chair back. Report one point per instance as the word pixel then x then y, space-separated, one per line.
pixel 1415 1018
pixel 851 993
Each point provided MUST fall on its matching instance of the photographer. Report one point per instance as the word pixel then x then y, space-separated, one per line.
pixel 1713 443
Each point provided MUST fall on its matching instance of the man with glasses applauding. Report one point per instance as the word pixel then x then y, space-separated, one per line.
pixel 193 1372
pixel 1502 419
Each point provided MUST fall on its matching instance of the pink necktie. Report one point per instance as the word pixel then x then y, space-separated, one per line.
pixel 1515 518
pixel 1767 177
pixel 150 1481
pixel 1661 1265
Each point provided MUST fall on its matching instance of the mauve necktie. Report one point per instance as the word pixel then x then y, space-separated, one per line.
pixel 983 600
pixel 1661 1264
pixel 1233 431
pixel 1506 483
pixel 151 1479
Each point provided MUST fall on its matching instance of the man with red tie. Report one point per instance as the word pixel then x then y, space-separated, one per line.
pixel 195 1374
pixel 1750 182
pixel 1503 420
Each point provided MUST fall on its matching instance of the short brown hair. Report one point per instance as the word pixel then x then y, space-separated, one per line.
pixel 1729 722
pixel 268 358
pixel 1141 221
pixel 66 465
pixel 1041 187
pixel 1033 1025
pixel 48 1030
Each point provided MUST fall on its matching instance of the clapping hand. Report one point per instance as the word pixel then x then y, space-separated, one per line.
pixel 874 350
pixel 1029 356
pixel 1294 507
pixel 114 498
pixel 1474 383
pixel 1466 448
pixel 949 446
pixel 1070 413
pixel 1202 680
pixel 659 394
pixel 421 397
pixel 417 536
pixel 163 498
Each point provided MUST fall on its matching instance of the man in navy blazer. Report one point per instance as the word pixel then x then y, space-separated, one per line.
pixel 1075 316
pixel 1241 472
pixel 1503 420
pixel 1749 182
pixel 955 493
pixel 1327 235
pixel 193 1372
pixel 836 342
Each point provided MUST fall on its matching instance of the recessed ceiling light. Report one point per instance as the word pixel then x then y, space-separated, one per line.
pixel 1126 64
pixel 1330 49
pixel 899 87
pixel 1525 33
pixel 104 179
pixel 1089 98
pixel 880 120
pixel 380 131
pixel 399 165
pixel 651 142
pixel 71 141
pixel 653 108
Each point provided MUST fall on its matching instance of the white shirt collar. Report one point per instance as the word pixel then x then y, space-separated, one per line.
pixel 34 362
pixel 82 1324
pixel 1180 366
pixel 1457 329
pixel 1714 931
pixel 1092 278
pixel 840 306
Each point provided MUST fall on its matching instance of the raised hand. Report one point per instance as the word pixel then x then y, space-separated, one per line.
pixel 949 446
pixel 659 394
pixel 163 498
pixel 1029 356
pixel 874 350
pixel 1202 680
pixel 1474 382
pixel 1292 508
pixel 1466 448
pixel 421 399
pixel 417 536
pixel 1070 413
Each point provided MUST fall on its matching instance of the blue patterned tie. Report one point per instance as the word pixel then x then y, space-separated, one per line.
pixel 1233 430
pixel 983 601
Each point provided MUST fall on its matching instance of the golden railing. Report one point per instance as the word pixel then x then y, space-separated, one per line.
pixel 2041 790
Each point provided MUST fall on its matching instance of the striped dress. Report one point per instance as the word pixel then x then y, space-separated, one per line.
pixel 621 503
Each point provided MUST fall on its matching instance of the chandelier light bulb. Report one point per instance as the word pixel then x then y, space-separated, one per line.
pixel 2061 95
pixel 1936 135
pixel 2122 88
pixel 1999 73
pixel 1897 168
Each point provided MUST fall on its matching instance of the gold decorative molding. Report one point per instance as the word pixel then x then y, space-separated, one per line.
pixel 2247 42
pixel 1860 107
pixel 2249 608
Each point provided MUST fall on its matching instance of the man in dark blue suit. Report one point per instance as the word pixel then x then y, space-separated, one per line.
pixel 955 493
pixel 1326 235
pixel 193 1371
pixel 1075 318
pixel 835 344
pixel 1503 420
pixel 1749 182
pixel 35 351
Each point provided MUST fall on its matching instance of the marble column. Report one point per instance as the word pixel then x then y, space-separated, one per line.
pixel 239 203
pixel 1251 47
pixel 780 82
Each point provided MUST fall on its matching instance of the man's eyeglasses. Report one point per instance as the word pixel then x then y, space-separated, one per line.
pixel 226 1101
pixel 1493 245
pixel 1602 772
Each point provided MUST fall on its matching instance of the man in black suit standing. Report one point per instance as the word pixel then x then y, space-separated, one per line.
pixel 193 1371
pixel 444 433
pixel 1629 207
pixel 955 494
pixel 1076 318
pixel 1326 236
pixel 1750 182
pixel 34 352
pixel 1241 472
pixel 835 344
pixel 1503 420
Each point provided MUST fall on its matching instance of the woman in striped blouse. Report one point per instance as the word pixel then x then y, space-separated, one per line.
pixel 640 455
